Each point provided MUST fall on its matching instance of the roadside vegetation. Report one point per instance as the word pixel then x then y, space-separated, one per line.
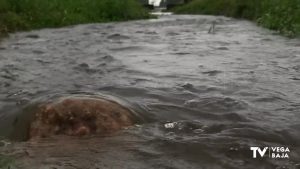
pixel 280 15
pixel 16 15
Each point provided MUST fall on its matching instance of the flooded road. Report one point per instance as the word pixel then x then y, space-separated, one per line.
pixel 205 98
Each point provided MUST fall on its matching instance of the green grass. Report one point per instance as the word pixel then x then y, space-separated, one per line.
pixel 18 15
pixel 279 15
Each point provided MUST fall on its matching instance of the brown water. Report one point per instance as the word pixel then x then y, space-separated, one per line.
pixel 218 93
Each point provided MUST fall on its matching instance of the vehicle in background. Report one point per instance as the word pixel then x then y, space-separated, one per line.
pixel 168 4
pixel 172 3
pixel 147 4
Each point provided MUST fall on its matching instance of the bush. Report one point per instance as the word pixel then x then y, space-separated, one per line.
pixel 280 15
pixel 249 9
pixel 32 14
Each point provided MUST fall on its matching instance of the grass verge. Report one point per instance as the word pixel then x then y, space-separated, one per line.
pixel 280 15
pixel 16 15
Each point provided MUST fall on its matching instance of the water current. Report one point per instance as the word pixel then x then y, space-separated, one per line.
pixel 206 98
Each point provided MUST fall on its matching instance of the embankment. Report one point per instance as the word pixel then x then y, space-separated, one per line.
pixel 18 15
pixel 282 16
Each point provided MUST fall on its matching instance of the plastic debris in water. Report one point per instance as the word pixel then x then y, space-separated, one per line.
pixel 212 29
pixel 170 125
pixel 4 143
pixel 137 125
pixel 198 131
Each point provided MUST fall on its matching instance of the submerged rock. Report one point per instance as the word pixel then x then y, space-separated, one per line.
pixel 78 116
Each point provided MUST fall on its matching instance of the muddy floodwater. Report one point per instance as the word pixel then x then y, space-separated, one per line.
pixel 204 98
